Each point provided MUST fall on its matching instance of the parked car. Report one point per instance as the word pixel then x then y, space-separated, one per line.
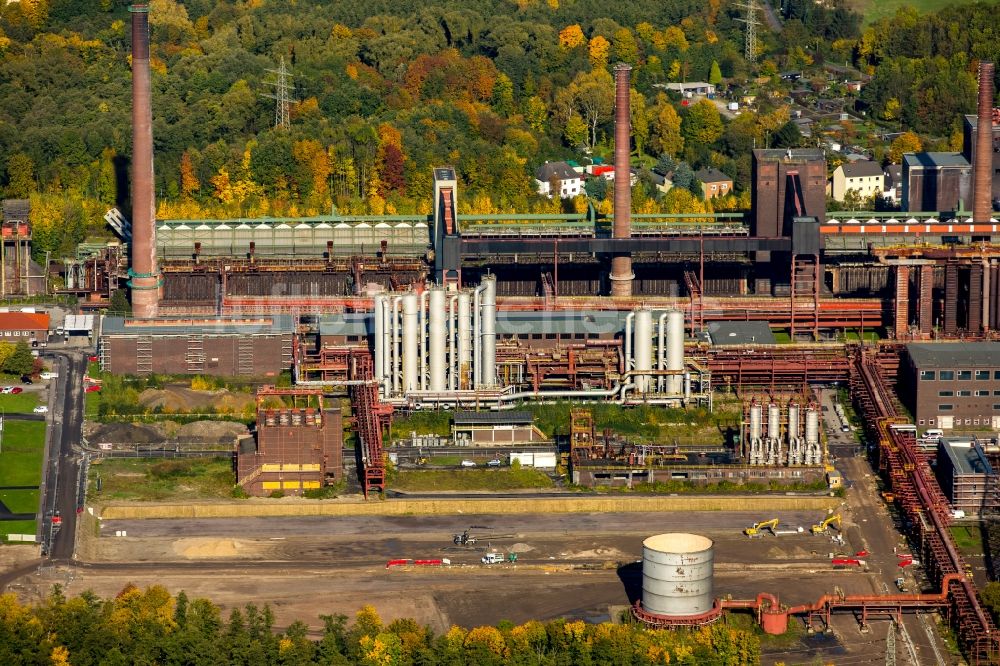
pixel 494 463
pixel 49 375
pixel 93 359
pixel 25 379
pixel 41 409
pixel 7 389
pixel 468 463
pixel 93 388
pixel 16 389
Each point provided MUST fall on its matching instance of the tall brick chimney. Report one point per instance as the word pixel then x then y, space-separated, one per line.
pixel 621 263
pixel 144 272
pixel 982 170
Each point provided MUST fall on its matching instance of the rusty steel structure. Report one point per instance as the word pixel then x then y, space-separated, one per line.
pixel 906 473
pixel 621 262
pixel 144 274
pixel 370 418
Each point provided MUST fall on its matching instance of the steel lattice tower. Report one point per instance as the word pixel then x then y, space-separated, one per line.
pixel 751 47
pixel 281 94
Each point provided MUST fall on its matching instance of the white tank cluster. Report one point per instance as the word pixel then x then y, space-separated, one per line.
pixel 668 378
pixel 436 344
pixel 769 443
pixel 677 571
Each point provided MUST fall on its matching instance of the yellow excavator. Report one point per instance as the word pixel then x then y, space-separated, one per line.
pixel 825 525
pixel 758 528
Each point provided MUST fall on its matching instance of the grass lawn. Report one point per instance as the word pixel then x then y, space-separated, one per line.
pixel 873 10
pixel 470 479
pixel 197 478
pixel 91 404
pixel 21 456
pixel 16 527
pixel 967 538
pixel 20 501
pixel 18 403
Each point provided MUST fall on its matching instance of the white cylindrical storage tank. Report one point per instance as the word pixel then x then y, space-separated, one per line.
pixel 812 425
pixel 675 350
pixel 643 349
pixel 411 343
pixel 437 318
pixel 488 345
pixel 464 339
pixel 773 421
pixel 378 321
pixel 756 416
pixel 677 574
pixel 793 421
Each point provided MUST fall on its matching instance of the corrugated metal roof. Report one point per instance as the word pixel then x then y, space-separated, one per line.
pixel 862 169
pixel 79 323
pixel 264 325
pixel 955 354
pixel 493 418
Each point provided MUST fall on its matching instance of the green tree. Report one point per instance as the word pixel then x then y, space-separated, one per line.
pixel 119 304
pixel 503 95
pixel 665 132
pixel 21 362
pixel 715 76
pixel 702 124
pixel 787 136
pixel 20 176
pixel 639 118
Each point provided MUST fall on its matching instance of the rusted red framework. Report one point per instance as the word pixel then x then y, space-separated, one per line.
pixel 920 497
pixel 369 416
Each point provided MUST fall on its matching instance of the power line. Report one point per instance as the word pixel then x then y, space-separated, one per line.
pixel 281 94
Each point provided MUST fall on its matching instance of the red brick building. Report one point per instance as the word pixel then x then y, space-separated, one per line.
pixel 27 326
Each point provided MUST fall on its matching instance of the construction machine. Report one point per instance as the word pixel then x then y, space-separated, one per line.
pixel 825 525
pixel 758 528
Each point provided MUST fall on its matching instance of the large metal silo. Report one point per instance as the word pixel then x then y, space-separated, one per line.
pixel 677 574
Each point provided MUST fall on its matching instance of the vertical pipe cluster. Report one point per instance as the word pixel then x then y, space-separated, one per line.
pixel 488 331
pixel 621 263
pixel 643 349
pixel 765 441
pixel 437 318
pixel 144 275
pixel 982 170
pixel 411 342
pixel 435 342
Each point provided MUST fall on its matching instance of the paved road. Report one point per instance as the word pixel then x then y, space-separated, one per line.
pixel 60 491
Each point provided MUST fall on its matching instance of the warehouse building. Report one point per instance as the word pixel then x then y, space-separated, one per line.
pixel 953 385
pixel 495 428
pixel 227 347
pixel 966 476
pixel 298 446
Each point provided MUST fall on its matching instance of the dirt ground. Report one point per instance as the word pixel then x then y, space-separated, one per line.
pixel 201 433
pixel 575 566
pixel 183 399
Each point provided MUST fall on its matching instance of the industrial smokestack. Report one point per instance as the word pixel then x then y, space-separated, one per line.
pixel 144 274
pixel 982 170
pixel 621 263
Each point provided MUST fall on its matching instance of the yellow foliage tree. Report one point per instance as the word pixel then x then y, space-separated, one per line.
pixel 189 180
pixel 571 37
pixel 673 37
pixel 907 142
pixel 488 637
pixel 598 49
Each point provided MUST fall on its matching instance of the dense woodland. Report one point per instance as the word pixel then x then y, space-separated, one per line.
pixel 384 90
pixel 150 626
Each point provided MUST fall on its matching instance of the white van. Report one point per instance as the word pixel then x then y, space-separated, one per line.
pixel 933 434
